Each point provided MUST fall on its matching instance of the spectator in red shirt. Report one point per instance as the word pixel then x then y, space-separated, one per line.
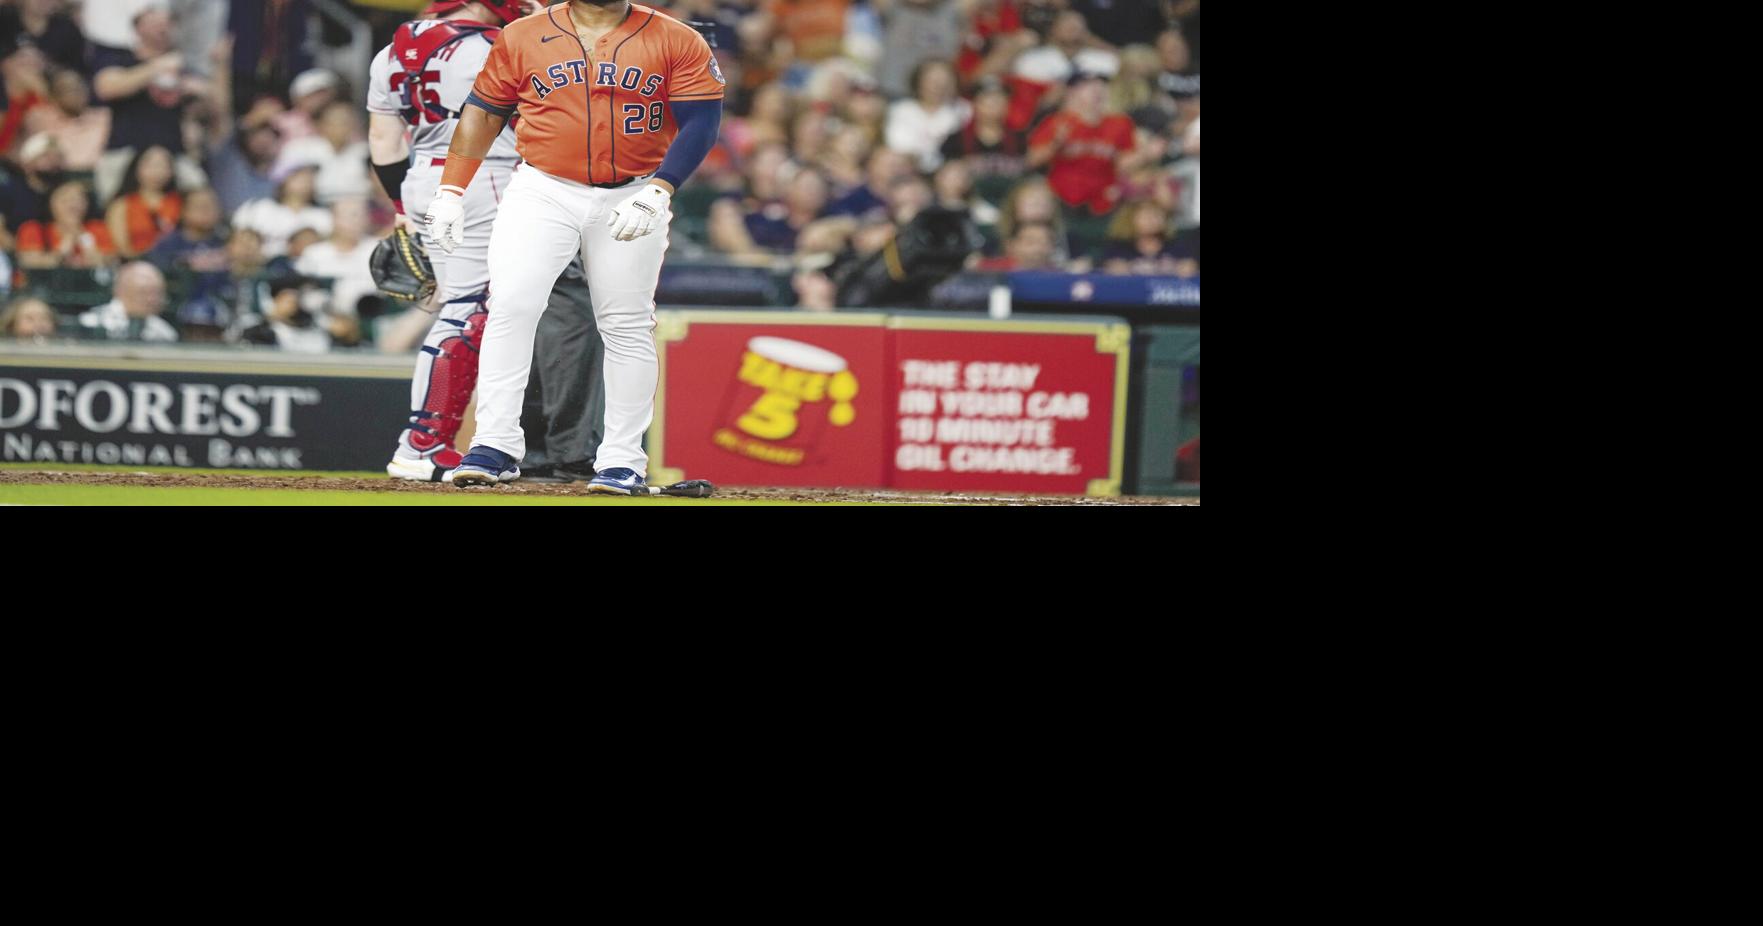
pixel 149 205
pixel 1085 146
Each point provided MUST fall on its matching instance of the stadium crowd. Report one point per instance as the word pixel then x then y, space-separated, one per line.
pixel 179 169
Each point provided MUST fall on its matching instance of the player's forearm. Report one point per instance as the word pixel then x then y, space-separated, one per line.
pixel 472 139
pixel 388 153
pixel 698 122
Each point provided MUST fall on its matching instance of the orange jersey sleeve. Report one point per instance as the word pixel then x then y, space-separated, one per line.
pixel 498 84
pixel 693 72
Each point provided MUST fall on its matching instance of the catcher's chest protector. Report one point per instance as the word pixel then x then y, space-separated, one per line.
pixel 414 48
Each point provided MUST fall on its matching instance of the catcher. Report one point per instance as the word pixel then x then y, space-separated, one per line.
pixel 416 88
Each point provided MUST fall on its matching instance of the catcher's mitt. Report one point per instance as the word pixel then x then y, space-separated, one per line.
pixel 401 268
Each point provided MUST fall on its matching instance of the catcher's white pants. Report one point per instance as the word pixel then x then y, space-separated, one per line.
pixel 543 222
pixel 459 275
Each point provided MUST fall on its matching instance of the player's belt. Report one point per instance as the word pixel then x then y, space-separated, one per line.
pixel 613 186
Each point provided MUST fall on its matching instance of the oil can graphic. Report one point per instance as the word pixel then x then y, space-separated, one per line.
pixel 786 396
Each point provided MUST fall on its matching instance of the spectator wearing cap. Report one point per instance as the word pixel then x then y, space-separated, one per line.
pixel 45 26
pixel 69 237
pixel 149 205
pixel 339 152
pixel 78 128
pixel 24 196
pixel 308 95
pixel 919 126
pixel 28 319
pixel 293 208
pixel 1084 147
pixel 243 167
pixel 133 313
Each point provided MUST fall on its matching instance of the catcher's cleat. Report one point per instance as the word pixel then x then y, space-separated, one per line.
pixel 424 469
pixel 483 466
pixel 618 481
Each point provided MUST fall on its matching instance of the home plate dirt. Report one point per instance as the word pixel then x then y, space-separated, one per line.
pixel 126 480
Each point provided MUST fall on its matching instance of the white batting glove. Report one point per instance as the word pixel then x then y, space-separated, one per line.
pixel 446 218
pixel 642 213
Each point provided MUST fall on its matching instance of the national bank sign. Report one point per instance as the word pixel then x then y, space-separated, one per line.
pixel 223 421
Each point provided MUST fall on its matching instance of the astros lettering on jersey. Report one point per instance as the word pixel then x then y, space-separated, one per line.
pixel 596 115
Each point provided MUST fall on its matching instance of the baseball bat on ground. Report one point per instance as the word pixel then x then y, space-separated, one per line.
pixel 691 488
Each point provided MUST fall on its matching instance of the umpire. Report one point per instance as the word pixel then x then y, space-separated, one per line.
pixel 565 409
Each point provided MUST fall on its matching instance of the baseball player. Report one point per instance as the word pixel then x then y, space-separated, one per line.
pixel 418 85
pixel 618 104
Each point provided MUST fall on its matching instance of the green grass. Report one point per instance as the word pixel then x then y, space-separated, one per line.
pixel 184 471
pixel 191 495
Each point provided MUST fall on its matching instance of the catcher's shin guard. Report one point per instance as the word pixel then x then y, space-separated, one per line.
pixel 452 350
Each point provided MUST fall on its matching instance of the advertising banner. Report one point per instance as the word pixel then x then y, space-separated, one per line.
pixel 873 401
pixel 197 413
pixel 771 398
pixel 987 406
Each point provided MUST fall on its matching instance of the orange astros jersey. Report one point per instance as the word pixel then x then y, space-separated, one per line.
pixel 596 115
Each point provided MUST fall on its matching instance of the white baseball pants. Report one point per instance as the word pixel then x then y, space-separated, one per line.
pixel 458 276
pixel 543 222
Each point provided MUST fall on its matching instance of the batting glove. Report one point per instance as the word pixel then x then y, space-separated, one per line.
pixel 446 218
pixel 641 214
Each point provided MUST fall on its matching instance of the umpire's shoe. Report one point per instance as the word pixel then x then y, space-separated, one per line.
pixel 559 473
pixel 484 466
pixel 619 481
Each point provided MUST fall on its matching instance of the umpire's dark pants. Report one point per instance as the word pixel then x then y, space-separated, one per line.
pixel 566 394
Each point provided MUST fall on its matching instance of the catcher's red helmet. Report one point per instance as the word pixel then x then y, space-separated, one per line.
pixel 505 10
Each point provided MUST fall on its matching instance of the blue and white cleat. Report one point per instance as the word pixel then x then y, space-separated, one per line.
pixel 484 466
pixel 619 481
